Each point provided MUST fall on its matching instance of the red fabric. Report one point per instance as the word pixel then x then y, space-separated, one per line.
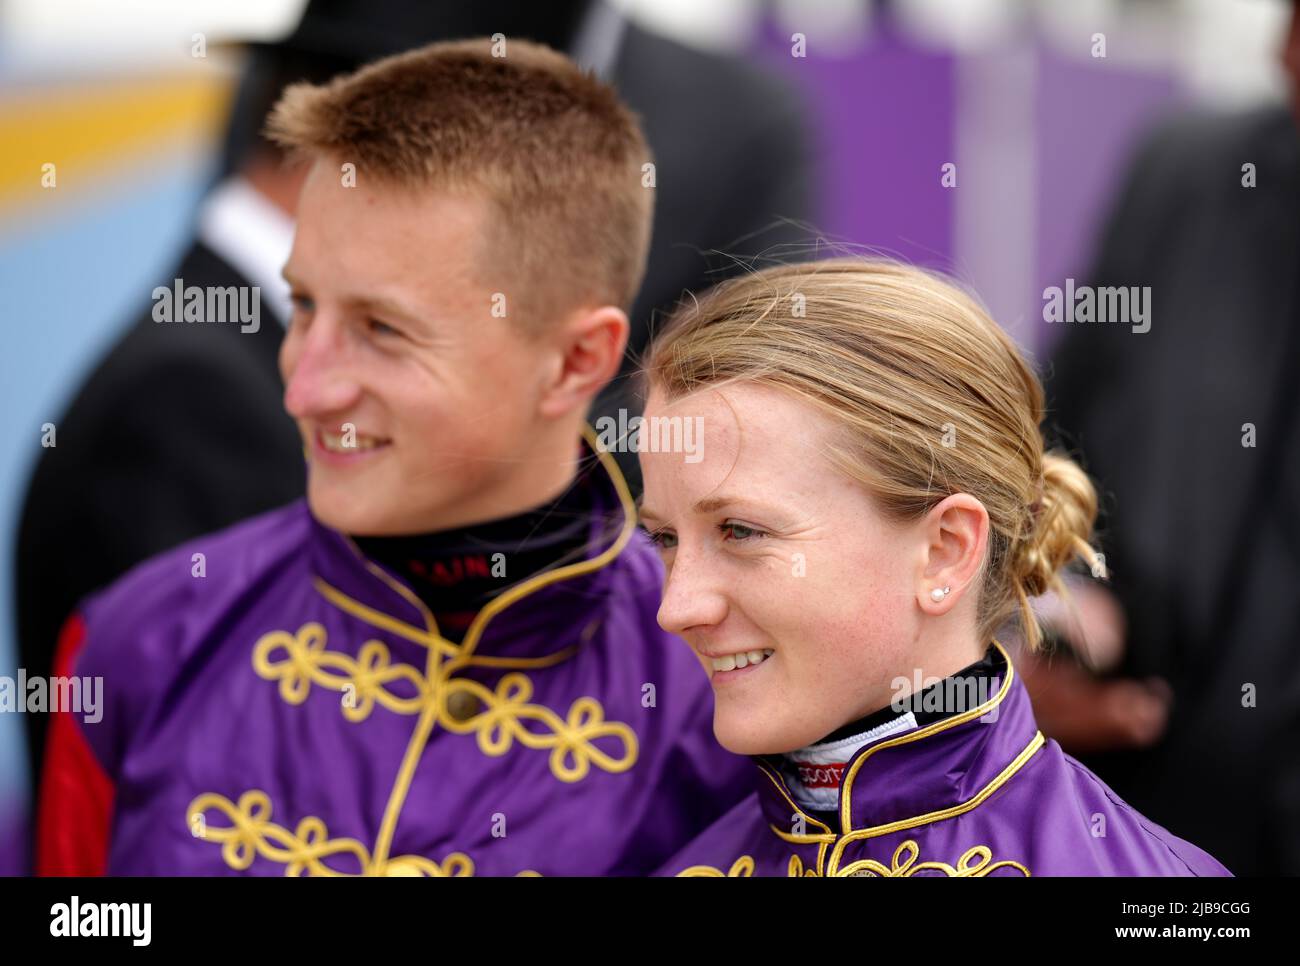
pixel 76 796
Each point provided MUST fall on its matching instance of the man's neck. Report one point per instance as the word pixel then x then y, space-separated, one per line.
pixel 457 571
pixel 549 477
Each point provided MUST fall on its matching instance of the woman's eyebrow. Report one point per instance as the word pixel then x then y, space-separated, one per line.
pixel 713 504
pixel 643 513
pixel 708 505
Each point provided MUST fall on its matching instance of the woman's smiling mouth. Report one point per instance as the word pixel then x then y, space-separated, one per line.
pixel 728 667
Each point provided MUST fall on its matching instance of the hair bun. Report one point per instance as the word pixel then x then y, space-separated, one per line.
pixel 1060 522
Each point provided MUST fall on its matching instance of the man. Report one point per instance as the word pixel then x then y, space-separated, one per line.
pixel 131 477
pixel 310 692
pixel 1191 429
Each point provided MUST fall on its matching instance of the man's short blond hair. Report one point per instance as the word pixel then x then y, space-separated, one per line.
pixel 551 147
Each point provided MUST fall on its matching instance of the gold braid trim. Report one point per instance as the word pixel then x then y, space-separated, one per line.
pixel 742 868
pixel 305 661
pixel 975 862
pixel 304 850
pixel 904 864
pixel 570 739
pixel 297 661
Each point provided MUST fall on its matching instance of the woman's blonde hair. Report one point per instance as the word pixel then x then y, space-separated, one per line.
pixel 933 398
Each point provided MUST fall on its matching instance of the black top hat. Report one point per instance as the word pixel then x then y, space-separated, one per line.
pixel 337 36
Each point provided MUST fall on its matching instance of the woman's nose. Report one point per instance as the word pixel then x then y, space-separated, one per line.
pixel 692 597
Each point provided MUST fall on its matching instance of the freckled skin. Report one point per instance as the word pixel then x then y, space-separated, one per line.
pixel 853 622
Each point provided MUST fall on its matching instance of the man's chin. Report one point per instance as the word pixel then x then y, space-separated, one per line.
pixel 351 516
pixel 366 511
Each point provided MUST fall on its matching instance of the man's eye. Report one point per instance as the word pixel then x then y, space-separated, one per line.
pixel 301 303
pixel 380 328
pixel 739 531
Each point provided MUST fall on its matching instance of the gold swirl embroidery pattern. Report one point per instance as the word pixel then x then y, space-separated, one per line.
pixel 303 850
pixel 297 661
pixel 570 739
pixel 742 868
pixel 795 869
pixel 974 862
pixel 305 662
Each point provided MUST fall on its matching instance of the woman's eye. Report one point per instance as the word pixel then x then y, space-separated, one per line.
pixel 738 531
pixel 663 538
pixel 301 303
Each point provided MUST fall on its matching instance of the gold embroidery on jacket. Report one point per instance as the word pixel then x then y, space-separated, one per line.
pixel 904 864
pixel 299 660
pixel 742 868
pixel 795 869
pixel 303 850
pixel 836 843
pixel 305 662
pixel 570 739
pixel 831 845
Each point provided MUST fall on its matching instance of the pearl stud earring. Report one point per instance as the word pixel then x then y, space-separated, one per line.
pixel 938 594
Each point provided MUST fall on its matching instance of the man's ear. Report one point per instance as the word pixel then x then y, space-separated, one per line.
pixel 587 352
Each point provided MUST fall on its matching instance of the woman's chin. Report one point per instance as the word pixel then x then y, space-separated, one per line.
pixel 741 736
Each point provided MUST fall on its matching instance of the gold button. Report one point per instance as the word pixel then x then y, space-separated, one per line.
pixel 462 705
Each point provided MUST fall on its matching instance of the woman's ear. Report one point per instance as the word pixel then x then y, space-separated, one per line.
pixel 586 352
pixel 956 533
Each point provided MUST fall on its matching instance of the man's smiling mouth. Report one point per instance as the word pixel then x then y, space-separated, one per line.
pixel 348 444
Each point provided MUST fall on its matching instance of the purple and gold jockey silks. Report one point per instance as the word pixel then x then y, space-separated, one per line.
pixel 977 793
pixel 282 705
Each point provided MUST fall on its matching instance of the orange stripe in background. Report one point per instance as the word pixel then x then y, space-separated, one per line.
pixel 84 129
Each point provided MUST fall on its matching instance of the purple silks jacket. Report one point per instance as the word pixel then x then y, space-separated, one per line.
pixel 295 711
pixel 975 794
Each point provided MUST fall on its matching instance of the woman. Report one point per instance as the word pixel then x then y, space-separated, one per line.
pixel 871 504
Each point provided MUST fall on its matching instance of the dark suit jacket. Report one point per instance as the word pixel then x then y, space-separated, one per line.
pixel 1199 531
pixel 732 162
pixel 181 430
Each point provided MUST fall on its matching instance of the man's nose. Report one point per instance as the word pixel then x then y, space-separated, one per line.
pixel 692 596
pixel 321 380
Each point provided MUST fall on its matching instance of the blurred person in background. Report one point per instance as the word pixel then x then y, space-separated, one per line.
pixel 1186 692
pixel 172 437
